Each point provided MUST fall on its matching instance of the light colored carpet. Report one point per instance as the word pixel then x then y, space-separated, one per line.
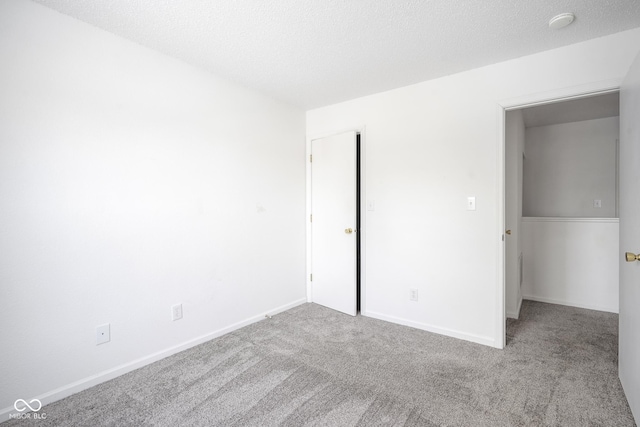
pixel 312 366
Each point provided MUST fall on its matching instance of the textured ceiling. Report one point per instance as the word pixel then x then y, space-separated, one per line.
pixel 317 52
pixel 576 110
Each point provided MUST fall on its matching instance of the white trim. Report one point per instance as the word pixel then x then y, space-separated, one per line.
pixel 479 339
pixel 320 135
pixel 570 303
pixel 93 380
pixel 618 171
pixel 500 338
pixel 564 94
pixel 540 98
pixel 363 218
pixel 567 219
pixel 363 208
pixel 308 219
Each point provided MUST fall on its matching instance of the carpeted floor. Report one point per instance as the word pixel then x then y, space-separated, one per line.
pixel 312 366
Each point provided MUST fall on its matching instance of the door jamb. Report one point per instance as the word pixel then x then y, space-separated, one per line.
pixel 563 94
pixel 363 212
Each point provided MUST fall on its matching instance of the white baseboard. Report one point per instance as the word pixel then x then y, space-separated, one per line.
pixel 479 339
pixel 85 383
pixel 571 303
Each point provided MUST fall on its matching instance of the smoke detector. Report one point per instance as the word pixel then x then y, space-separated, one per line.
pixel 561 21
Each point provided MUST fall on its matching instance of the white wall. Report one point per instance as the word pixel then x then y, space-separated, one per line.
pixel 570 165
pixel 129 182
pixel 572 262
pixel 514 150
pixel 428 146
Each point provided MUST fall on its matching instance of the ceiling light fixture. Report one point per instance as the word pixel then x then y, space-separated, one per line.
pixel 561 21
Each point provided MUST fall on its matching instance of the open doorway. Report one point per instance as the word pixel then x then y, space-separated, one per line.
pixel 561 209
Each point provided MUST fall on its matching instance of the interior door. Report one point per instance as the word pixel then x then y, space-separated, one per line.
pixel 629 333
pixel 511 217
pixel 333 222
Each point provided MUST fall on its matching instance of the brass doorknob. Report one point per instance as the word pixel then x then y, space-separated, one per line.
pixel 508 232
pixel 348 230
pixel 632 257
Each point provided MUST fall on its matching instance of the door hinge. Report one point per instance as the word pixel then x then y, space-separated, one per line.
pixel 310 218
pixel 311 277
pixel 311 158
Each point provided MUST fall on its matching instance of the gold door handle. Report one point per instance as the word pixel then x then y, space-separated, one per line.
pixel 631 257
pixel 508 232
pixel 348 230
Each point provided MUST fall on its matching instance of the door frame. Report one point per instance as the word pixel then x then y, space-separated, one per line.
pixel 363 211
pixel 541 98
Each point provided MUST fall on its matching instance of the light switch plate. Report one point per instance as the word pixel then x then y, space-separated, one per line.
pixel 371 205
pixel 471 203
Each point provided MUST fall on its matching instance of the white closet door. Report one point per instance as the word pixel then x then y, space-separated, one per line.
pixel 333 224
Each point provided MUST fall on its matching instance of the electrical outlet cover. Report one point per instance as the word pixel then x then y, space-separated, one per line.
pixel 176 312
